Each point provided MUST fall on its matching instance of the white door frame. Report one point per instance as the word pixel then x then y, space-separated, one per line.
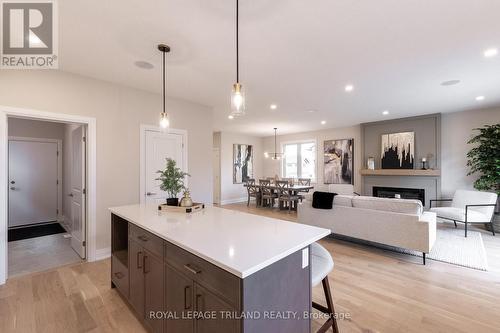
pixel 143 129
pixel 59 167
pixel 5 112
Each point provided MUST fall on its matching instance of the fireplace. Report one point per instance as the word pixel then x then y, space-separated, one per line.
pixel 405 193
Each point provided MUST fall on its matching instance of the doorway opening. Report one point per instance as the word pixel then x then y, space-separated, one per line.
pixel 47 204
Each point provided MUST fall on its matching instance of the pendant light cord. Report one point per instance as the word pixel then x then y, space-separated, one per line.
pixel 237 44
pixel 164 79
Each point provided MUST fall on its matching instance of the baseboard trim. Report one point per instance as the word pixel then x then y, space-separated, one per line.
pixel 230 201
pixel 101 254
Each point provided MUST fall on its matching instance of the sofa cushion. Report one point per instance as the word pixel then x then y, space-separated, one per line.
pixel 343 200
pixel 404 206
pixel 323 200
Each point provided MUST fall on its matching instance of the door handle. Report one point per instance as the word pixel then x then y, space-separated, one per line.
pixel 150 193
pixel 146 269
pixel 12 182
pixel 119 275
pixel 186 297
pixel 198 301
pixel 12 188
pixel 139 259
pixel 71 195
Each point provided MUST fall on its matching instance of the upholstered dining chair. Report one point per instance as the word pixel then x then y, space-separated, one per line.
pixel 266 193
pixel 468 207
pixel 253 192
pixel 284 195
pixel 321 265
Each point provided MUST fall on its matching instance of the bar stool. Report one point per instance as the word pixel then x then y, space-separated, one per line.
pixel 321 265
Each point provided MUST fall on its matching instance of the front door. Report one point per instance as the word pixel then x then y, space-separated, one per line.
pixel 32 182
pixel 78 230
pixel 159 146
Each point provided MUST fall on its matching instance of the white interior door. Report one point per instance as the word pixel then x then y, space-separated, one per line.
pixel 216 176
pixel 159 146
pixel 78 161
pixel 32 182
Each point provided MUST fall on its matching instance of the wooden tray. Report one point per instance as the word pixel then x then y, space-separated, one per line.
pixel 178 209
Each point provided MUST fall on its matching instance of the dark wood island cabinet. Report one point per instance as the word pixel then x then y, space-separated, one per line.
pixel 172 290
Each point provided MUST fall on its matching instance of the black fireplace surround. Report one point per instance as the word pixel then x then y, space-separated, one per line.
pixel 405 193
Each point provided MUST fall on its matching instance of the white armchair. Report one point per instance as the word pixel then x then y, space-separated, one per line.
pixel 468 207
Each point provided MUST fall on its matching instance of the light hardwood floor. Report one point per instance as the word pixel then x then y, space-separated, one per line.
pixel 382 291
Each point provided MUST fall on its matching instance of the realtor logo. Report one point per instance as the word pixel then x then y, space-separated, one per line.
pixel 29 34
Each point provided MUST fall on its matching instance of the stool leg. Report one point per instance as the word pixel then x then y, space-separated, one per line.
pixel 331 310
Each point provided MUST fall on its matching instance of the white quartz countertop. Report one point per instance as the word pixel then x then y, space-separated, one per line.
pixel 237 242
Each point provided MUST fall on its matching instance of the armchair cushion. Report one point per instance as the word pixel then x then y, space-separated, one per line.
pixel 466 197
pixel 458 214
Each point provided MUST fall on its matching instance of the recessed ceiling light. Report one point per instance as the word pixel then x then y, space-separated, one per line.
pixel 144 64
pixel 273 106
pixel 323 122
pixel 450 82
pixel 230 117
pixel 385 112
pixel 312 111
pixel 349 88
pixel 490 53
pixel 480 98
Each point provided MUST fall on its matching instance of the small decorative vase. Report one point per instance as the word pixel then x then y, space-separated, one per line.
pixel 186 200
pixel 173 202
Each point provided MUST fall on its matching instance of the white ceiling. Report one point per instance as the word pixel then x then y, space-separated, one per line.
pixel 295 53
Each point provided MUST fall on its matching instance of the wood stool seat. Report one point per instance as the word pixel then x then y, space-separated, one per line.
pixel 321 265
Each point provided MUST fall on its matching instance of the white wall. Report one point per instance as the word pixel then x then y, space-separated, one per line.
pixel 236 192
pixel 273 167
pixel 456 130
pixel 119 111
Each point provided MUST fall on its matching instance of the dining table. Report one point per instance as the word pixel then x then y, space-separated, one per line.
pixel 292 189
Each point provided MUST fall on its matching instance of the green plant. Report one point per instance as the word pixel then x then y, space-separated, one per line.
pixel 484 158
pixel 172 179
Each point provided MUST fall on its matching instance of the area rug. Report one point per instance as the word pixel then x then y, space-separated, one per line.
pixel 452 247
pixel 35 231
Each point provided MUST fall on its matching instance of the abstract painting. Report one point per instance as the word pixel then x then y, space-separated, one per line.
pixel 338 164
pixel 242 163
pixel 398 150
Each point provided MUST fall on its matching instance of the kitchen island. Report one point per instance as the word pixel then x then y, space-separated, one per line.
pixel 215 270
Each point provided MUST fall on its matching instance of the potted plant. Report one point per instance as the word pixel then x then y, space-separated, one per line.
pixel 172 181
pixel 484 159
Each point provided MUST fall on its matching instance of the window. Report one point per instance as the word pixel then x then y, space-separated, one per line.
pixel 300 160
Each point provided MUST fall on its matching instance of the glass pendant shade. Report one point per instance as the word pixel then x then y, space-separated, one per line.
pixel 164 121
pixel 237 101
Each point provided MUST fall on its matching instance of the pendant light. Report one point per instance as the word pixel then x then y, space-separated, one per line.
pixel 275 155
pixel 164 121
pixel 237 95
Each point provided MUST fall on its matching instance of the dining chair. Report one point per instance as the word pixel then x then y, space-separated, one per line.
pixel 253 191
pixel 284 195
pixel 266 192
pixel 303 182
pixel 290 180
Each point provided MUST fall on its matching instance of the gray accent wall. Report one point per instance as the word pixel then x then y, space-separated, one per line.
pixel 427 144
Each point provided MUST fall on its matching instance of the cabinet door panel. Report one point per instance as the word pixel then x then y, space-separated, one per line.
pixel 136 283
pixel 153 287
pixel 179 291
pixel 207 302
